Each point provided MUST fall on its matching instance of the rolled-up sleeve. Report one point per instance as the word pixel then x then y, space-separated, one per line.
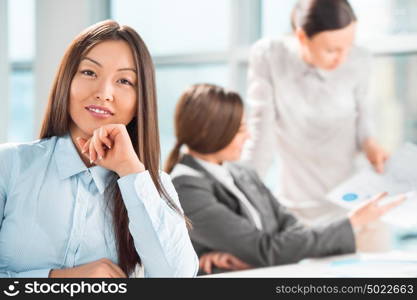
pixel 160 234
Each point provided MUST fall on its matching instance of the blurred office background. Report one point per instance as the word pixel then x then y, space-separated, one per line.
pixel 195 41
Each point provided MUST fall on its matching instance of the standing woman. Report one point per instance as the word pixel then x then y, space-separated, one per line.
pixel 308 99
pixel 88 199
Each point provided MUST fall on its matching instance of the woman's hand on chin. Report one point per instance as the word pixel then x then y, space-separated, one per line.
pixel 111 147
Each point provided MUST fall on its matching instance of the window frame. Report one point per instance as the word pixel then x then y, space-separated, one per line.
pixel 245 29
pixel 4 71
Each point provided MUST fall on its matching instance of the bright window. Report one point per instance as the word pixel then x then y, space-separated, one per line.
pixel 177 27
pixel 21 48
pixel 183 37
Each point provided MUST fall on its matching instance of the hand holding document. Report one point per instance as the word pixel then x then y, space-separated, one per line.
pixel 373 209
pixel 400 177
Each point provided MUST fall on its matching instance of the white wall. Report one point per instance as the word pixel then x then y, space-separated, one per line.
pixel 57 23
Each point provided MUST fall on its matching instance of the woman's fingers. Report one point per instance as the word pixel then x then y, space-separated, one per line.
pixel 207 265
pixel 104 137
pixel 86 146
pixel 379 165
pixel 384 208
pixel 98 145
pixel 231 262
pixel 373 209
pixel 378 197
pixel 85 150
pixel 95 148
pixel 81 142
pixel 201 261
pixel 380 161
pixel 227 261
pixel 118 271
pixel 221 260
pixel 110 268
pixel 237 264
pixel 92 152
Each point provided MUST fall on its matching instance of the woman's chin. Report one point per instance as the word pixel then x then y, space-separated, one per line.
pixel 234 158
pixel 331 67
pixel 86 132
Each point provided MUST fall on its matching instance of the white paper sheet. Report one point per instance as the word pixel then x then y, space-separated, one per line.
pixel 400 177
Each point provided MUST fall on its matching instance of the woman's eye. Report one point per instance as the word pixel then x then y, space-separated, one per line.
pixel 88 73
pixel 125 81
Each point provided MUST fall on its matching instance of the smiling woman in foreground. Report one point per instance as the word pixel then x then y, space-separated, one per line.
pixel 88 199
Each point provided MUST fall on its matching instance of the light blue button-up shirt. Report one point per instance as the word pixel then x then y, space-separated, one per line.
pixel 54 215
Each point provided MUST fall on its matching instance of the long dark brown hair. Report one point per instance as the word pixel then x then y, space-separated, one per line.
pixel 207 118
pixel 143 129
pixel 315 16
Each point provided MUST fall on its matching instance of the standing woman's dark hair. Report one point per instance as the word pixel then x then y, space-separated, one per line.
pixel 207 118
pixel 143 129
pixel 315 16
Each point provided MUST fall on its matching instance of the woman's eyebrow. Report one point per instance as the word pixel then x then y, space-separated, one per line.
pixel 93 61
pixel 127 69
pixel 98 64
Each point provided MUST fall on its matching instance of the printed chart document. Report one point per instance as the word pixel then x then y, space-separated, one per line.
pixel 400 177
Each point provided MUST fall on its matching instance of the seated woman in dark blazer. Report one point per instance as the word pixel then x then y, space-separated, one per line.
pixel 231 210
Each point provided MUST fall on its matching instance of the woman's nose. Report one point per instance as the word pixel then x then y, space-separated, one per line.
pixel 105 92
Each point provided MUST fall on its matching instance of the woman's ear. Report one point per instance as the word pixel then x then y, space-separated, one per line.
pixel 301 36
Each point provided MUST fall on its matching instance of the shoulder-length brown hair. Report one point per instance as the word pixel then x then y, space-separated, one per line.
pixel 207 118
pixel 143 129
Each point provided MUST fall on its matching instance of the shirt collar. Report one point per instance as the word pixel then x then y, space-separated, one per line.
pixel 323 74
pixel 69 163
pixel 101 177
pixel 309 70
pixel 219 171
pixel 304 68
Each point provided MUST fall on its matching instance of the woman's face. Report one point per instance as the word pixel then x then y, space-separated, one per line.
pixel 233 151
pixel 328 50
pixel 103 90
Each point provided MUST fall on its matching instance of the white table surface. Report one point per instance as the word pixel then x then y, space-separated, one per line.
pixel 388 264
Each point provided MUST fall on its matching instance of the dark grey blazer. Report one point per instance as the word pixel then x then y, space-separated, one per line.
pixel 219 223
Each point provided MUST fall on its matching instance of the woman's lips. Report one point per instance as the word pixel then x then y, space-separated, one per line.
pixel 99 111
